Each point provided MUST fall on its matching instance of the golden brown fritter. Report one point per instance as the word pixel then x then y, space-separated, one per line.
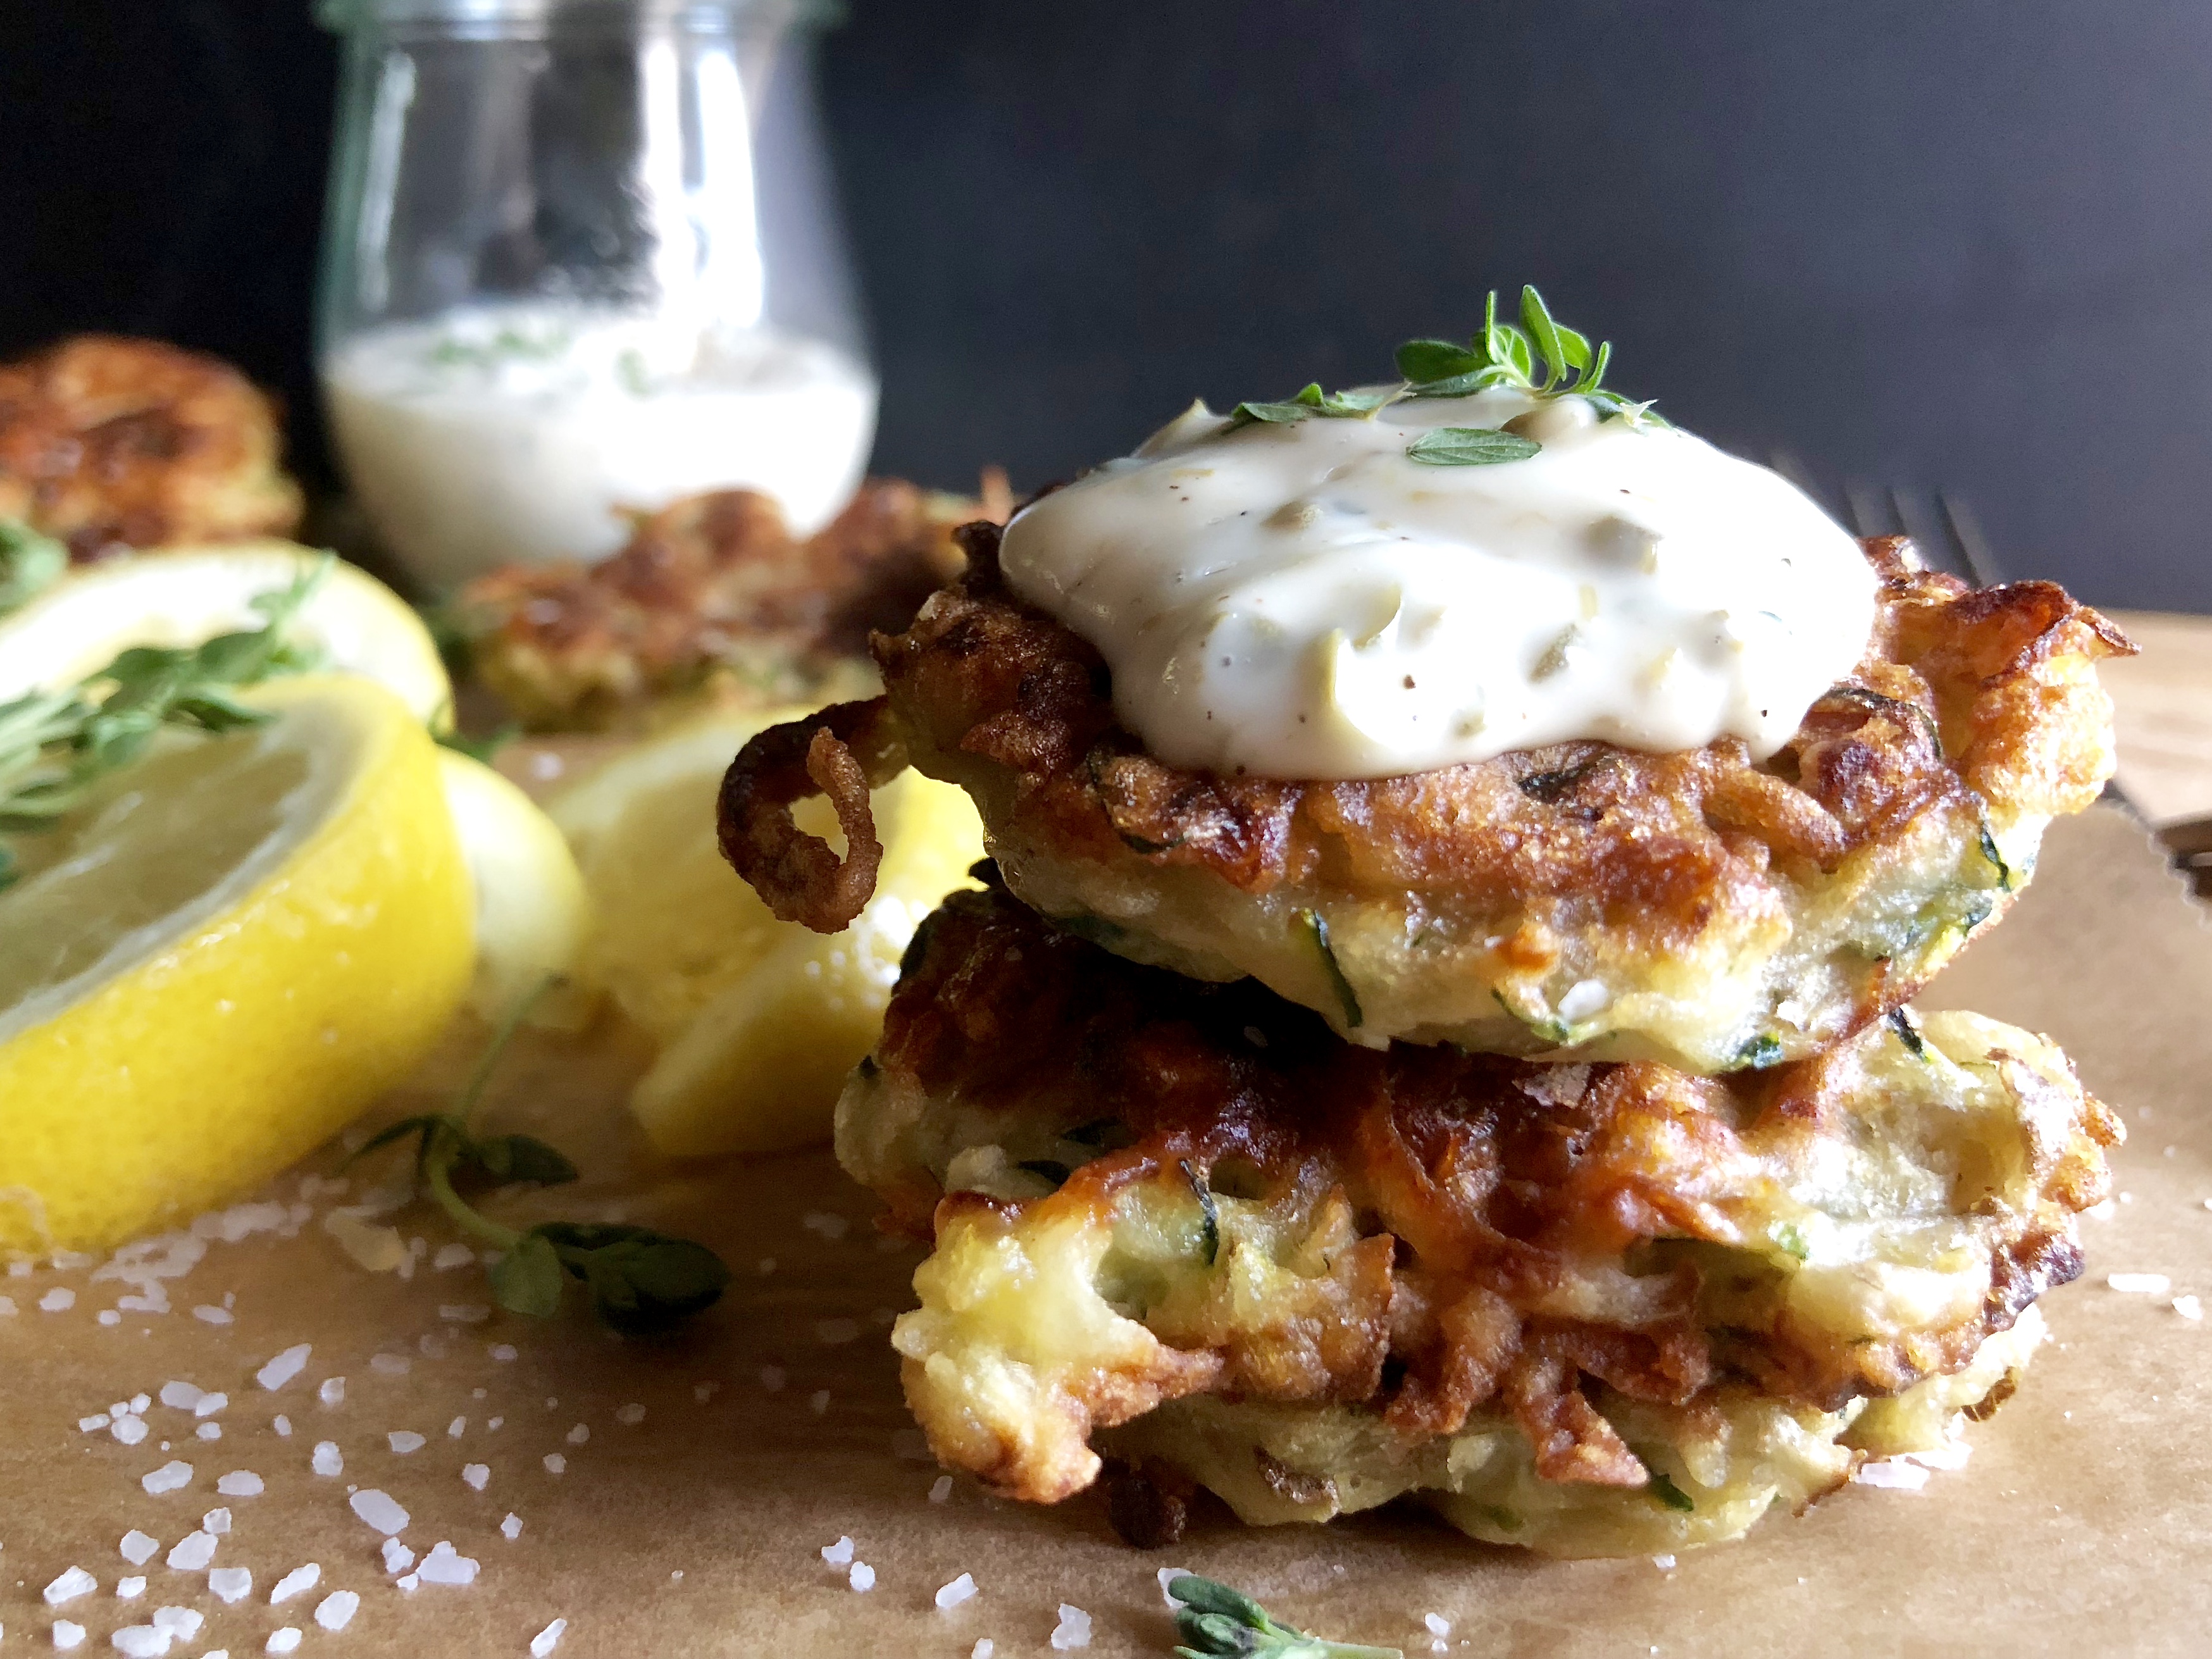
pixel 1580 901
pixel 1141 1191
pixel 111 445
pixel 717 584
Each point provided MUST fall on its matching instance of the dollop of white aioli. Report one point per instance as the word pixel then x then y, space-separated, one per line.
pixel 1305 601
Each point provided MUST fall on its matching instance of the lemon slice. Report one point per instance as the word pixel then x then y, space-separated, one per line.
pixel 758 1069
pixel 80 624
pixel 675 925
pixel 532 913
pixel 210 967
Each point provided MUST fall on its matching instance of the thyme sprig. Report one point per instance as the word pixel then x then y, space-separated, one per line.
pixel 640 1280
pixel 29 564
pixel 1540 356
pixel 1216 1622
pixel 56 745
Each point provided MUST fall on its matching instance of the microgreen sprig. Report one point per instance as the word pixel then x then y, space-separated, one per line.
pixel 56 745
pixel 1215 1622
pixel 1538 356
pixel 639 1280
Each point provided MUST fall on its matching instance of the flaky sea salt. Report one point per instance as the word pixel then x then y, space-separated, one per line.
pixel 216 1521
pixel 630 1415
pixel 511 1529
pixel 239 1483
pixel 286 1640
pixel 502 1352
pixel 579 1435
pixel 170 1477
pixel 982 1649
pixel 2140 1284
pixel 1892 1476
pixel 940 1490
pixel 962 1588
pixel 1073 1630
pixel 446 1566
pixel 556 1464
pixel 128 1429
pixel 827 1224
pixel 69 1585
pixel 839 1553
pixel 284 1366
pixel 467 1313
pixel 404 1441
pixel 230 1585
pixel 818 1402
pixel 476 1475
pixel 209 1404
pixel 335 1610
pixel 2189 1307
pixel 179 1396
pixel 862 1577
pixel 451 1256
pixel 141 1642
pixel 129 1589
pixel 1440 1625
pixel 379 1510
pixel 68 1636
pixel 207 1314
pixel 93 1423
pixel 207 1431
pixel 138 1548
pixel 391 1365
pixel 397 1558
pixel 547 1640
pixel 298 1581
pixel 192 1552
pixel 332 1392
pixel 60 1299
pixel 283 1425
pixel 183 1623
pixel 457 1428
pixel 327 1459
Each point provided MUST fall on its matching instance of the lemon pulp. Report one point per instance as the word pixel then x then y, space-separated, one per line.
pixel 210 968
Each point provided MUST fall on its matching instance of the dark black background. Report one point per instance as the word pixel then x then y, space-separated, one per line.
pixel 1965 246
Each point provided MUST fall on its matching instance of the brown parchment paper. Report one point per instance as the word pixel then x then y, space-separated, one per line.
pixel 2084 1523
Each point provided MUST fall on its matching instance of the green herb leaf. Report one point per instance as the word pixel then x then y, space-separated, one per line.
pixel 1425 362
pixel 1215 1621
pixel 1315 927
pixel 1670 1494
pixel 521 1157
pixel 56 747
pixel 1762 1051
pixel 1208 1210
pixel 527 1279
pixel 29 564
pixel 480 749
pixel 1470 446
pixel 638 1279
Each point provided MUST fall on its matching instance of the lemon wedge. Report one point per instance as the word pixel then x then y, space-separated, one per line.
pixel 531 913
pixel 208 969
pixel 81 623
pixel 758 1020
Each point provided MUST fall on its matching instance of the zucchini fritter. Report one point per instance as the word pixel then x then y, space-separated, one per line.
pixel 1579 901
pixel 111 444
pixel 716 585
pixel 1419 1268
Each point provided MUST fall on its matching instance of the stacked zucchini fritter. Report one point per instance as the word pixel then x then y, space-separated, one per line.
pixel 1547 1139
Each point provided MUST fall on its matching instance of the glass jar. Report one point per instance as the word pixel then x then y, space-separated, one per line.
pixel 582 258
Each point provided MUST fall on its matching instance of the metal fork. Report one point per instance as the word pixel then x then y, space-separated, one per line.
pixel 1948 537
pixel 1944 531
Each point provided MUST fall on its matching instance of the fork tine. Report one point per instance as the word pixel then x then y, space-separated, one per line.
pixel 1863 511
pixel 1973 546
pixel 1939 549
pixel 1786 464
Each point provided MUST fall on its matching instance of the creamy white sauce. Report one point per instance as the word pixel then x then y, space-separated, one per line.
pixel 1306 602
pixel 515 433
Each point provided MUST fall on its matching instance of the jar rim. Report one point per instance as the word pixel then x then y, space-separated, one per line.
pixel 343 16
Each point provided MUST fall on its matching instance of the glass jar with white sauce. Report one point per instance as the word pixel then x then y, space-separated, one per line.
pixel 581 258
